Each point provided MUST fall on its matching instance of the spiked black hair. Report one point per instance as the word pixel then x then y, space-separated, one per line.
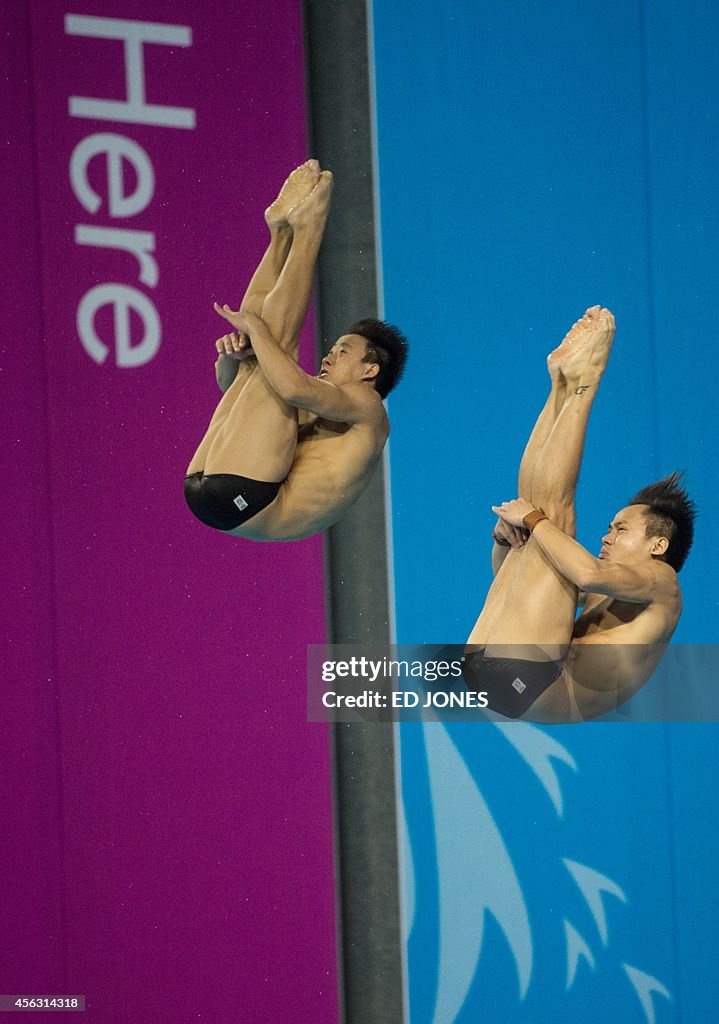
pixel 387 347
pixel 671 514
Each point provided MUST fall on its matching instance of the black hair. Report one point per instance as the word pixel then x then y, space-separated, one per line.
pixel 671 514
pixel 387 347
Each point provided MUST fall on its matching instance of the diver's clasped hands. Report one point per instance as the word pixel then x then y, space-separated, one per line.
pixel 510 529
pixel 237 344
pixel 513 512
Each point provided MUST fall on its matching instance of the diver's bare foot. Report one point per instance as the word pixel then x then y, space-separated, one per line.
pixel 313 210
pixel 586 347
pixel 296 188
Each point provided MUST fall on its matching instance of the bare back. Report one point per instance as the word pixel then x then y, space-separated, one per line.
pixel 333 464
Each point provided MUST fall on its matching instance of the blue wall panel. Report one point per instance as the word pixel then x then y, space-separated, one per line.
pixel 535 159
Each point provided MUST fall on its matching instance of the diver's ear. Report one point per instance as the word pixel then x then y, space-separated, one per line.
pixel 371 371
pixel 660 546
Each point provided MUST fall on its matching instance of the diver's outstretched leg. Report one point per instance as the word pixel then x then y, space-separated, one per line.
pixel 258 437
pixel 233 371
pixel 530 603
pixel 297 187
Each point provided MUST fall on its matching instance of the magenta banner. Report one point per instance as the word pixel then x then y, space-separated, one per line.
pixel 168 843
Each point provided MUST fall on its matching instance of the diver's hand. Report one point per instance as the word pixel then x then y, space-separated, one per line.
pixel 513 512
pixel 514 536
pixel 242 320
pixel 235 345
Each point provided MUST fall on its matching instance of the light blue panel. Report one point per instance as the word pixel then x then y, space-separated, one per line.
pixel 497 816
pixel 535 159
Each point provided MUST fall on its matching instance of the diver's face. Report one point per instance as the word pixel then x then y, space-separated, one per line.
pixel 626 539
pixel 344 364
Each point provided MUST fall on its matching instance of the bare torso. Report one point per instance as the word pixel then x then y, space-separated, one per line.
pixel 616 646
pixel 332 466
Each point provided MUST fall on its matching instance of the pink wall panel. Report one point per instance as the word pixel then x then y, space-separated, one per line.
pixel 170 848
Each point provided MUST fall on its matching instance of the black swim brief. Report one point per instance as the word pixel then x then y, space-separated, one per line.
pixel 224 501
pixel 512 684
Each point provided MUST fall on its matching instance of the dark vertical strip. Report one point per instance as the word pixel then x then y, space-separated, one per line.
pixel 357 571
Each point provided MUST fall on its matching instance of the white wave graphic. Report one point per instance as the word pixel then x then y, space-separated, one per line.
pixel 406 863
pixel 476 875
pixel 537 748
pixel 576 948
pixel 646 986
pixel 591 885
